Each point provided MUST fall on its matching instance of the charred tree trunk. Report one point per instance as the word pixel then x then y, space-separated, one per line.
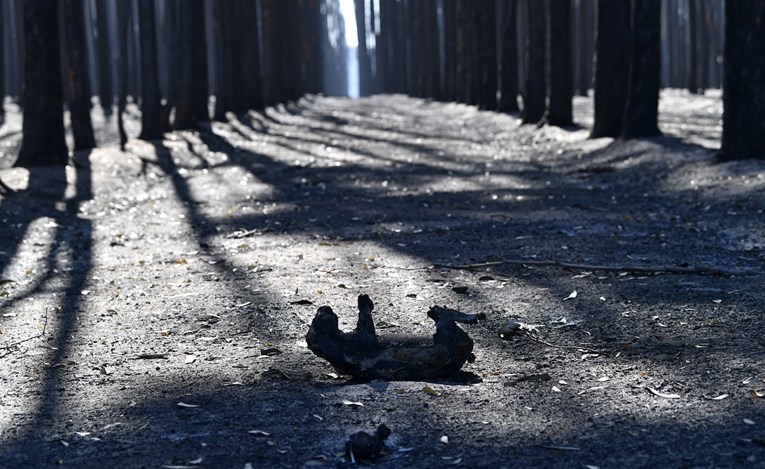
pixel 105 82
pixel 151 106
pixel 536 83
pixel 586 45
pixel 509 66
pixel 450 47
pixel 2 65
pixel 560 80
pixel 693 62
pixel 612 66
pixel 220 14
pixel 200 96
pixel 365 71
pixel 123 20
pixel 184 115
pixel 253 92
pixel 486 53
pixel 642 109
pixel 43 140
pixel 744 81
pixel 77 89
pixel 169 35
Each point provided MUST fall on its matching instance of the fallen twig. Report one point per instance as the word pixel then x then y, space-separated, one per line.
pixel 689 270
pixel 10 347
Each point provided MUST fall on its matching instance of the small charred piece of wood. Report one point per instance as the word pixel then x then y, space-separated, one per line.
pixel 362 354
pixel 362 446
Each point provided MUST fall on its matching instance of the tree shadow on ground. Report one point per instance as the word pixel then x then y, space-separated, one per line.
pixel 349 203
pixel 65 269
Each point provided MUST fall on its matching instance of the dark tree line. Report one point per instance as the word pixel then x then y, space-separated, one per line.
pixel 167 56
pixel 491 52
pixel 170 56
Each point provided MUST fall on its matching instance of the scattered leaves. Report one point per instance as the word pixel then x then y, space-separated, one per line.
pixel 152 356
pixel 302 302
pixel 716 398
pixel 353 403
pixel 258 433
pixel 190 359
pixel 662 394
pixel 187 406
pixel 444 439
pixel 571 295
pixel 748 421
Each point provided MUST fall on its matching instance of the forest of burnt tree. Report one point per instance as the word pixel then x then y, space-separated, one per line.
pixel 171 57
pixel 578 183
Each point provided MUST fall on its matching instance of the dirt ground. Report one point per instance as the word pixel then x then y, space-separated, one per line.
pixel 154 303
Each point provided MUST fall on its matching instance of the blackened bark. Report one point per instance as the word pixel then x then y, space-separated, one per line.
pixel 43 140
pixel 560 92
pixel 744 81
pixel 123 20
pixel 450 46
pixel 221 88
pixel 365 70
pixel 2 65
pixel 77 89
pixel 199 88
pixel 509 66
pixel 252 87
pixel 642 109
pixel 704 38
pixel 612 45
pixel 586 45
pixel 486 53
pixel 105 88
pixel 184 115
pixel 693 60
pixel 169 33
pixel 536 83
pixel 151 106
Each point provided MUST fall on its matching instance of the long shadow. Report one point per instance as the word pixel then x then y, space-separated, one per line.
pixel 435 227
pixel 67 265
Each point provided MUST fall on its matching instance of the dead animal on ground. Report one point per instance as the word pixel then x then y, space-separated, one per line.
pixel 362 446
pixel 362 354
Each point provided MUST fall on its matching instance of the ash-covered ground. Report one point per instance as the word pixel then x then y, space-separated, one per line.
pixel 154 303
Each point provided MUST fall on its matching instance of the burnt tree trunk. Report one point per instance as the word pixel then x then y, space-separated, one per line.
pixel 77 89
pixel 105 82
pixel 200 96
pixel 586 47
pixel 536 83
pixel 693 59
pixel 509 65
pixel 43 140
pixel 642 108
pixel 123 20
pixel 252 89
pixel 486 54
pixel 151 106
pixel 365 71
pixel 184 115
pixel 560 92
pixel 2 65
pixel 744 81
pixel 612 67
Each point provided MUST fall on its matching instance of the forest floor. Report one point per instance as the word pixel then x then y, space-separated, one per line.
pixel 154 303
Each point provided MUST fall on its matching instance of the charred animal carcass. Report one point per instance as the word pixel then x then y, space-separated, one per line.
pixel 363 354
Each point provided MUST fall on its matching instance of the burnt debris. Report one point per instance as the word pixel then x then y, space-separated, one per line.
pixel 362 354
